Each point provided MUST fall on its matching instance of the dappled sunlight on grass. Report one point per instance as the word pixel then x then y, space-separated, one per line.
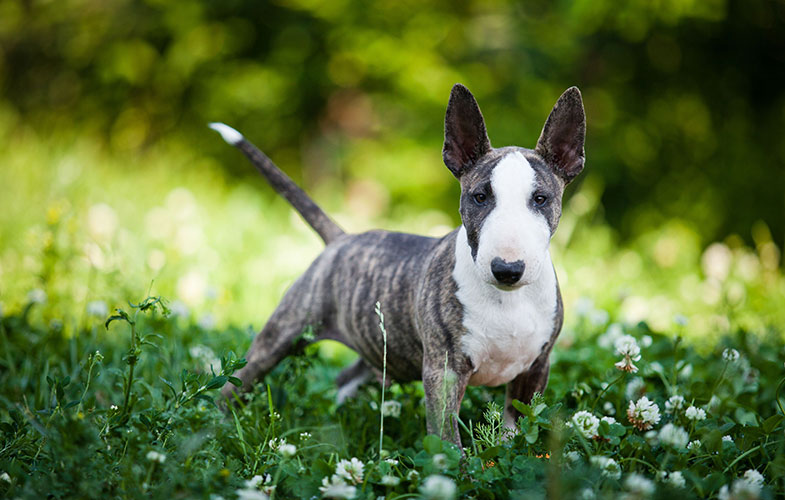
pixel 83 225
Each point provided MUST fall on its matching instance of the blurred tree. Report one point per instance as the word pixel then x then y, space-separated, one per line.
pixel 685 98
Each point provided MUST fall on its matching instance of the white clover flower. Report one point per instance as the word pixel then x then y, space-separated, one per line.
pixel 244 494
pixel 676 479
pixel 635 388
pixel 36 296
pixel 393 462
pixel 745 488
pixel 693 413
pixel 5 477
pixel 113 407
pixel 413 475
pixel 607 465
pixel 608 408
pixel 730 355
pixel 154 456
pixel 336 487
pixel 437 487
pixel 674 403
pixel 754 477
pixel 674 436
pixel 627 347
pixel 643 414
pixel 647 341
pixel 727 439
pixel 608 420
pixel 254 482
pixel 304 436
pixel 287 450
pixel 268 487
pixel 391 409
pixel 440 461
pixel 388 480
pixel 97 308
pixel 350 470
pixel 608 339
pixel 639 486
pixel 586 423
pixel 694 445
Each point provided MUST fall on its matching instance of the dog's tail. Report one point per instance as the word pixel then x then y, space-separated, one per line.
pixel 310 211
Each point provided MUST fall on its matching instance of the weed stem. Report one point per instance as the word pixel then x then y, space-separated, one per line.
pixel 384 376
pixel 599 396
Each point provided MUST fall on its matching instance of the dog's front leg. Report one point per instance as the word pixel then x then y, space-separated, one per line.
pixel 444 380
pixel 523 387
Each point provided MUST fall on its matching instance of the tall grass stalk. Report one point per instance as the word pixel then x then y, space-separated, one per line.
pixel 92 360
pixel 384 375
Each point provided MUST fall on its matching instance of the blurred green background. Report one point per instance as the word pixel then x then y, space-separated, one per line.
pixel 110 178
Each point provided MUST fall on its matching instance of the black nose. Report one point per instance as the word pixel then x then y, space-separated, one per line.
pixel 507 273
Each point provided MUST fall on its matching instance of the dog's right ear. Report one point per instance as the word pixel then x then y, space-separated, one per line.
pixel 465 137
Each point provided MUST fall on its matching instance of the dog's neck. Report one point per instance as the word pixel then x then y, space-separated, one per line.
pixel 505 330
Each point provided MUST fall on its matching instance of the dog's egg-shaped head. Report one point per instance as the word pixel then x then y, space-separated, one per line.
pixel 511 197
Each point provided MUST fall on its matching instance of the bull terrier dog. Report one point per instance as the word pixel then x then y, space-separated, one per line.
pixel 479 306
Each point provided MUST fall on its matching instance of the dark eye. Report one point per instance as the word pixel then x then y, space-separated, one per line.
pixel 540 200
pixel 480 198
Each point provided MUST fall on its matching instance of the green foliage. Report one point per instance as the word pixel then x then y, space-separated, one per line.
pixel 68 429
pixel 684 99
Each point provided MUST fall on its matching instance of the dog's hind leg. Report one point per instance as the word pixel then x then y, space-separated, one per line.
pixel 299 308
pixel 351 378
pixel 276 340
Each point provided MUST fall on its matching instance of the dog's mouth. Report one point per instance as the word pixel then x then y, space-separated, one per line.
pixel 510 288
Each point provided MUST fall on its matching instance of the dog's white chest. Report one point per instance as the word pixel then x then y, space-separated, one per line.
pixel 505 330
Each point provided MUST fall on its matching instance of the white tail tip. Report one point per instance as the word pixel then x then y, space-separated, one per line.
pixel 229 134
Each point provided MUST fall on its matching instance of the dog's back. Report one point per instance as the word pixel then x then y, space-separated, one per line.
pixel 386 267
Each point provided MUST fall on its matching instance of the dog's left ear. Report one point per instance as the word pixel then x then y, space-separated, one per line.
pixel 465 137
pixel 561 140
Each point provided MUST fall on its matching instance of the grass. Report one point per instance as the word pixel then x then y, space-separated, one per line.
pixel 107 389
pixel 131 414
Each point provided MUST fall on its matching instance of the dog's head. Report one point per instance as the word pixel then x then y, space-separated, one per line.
pixel 511 196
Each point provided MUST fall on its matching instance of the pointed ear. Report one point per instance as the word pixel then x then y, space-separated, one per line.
pixel 465 137
pixel 561 140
